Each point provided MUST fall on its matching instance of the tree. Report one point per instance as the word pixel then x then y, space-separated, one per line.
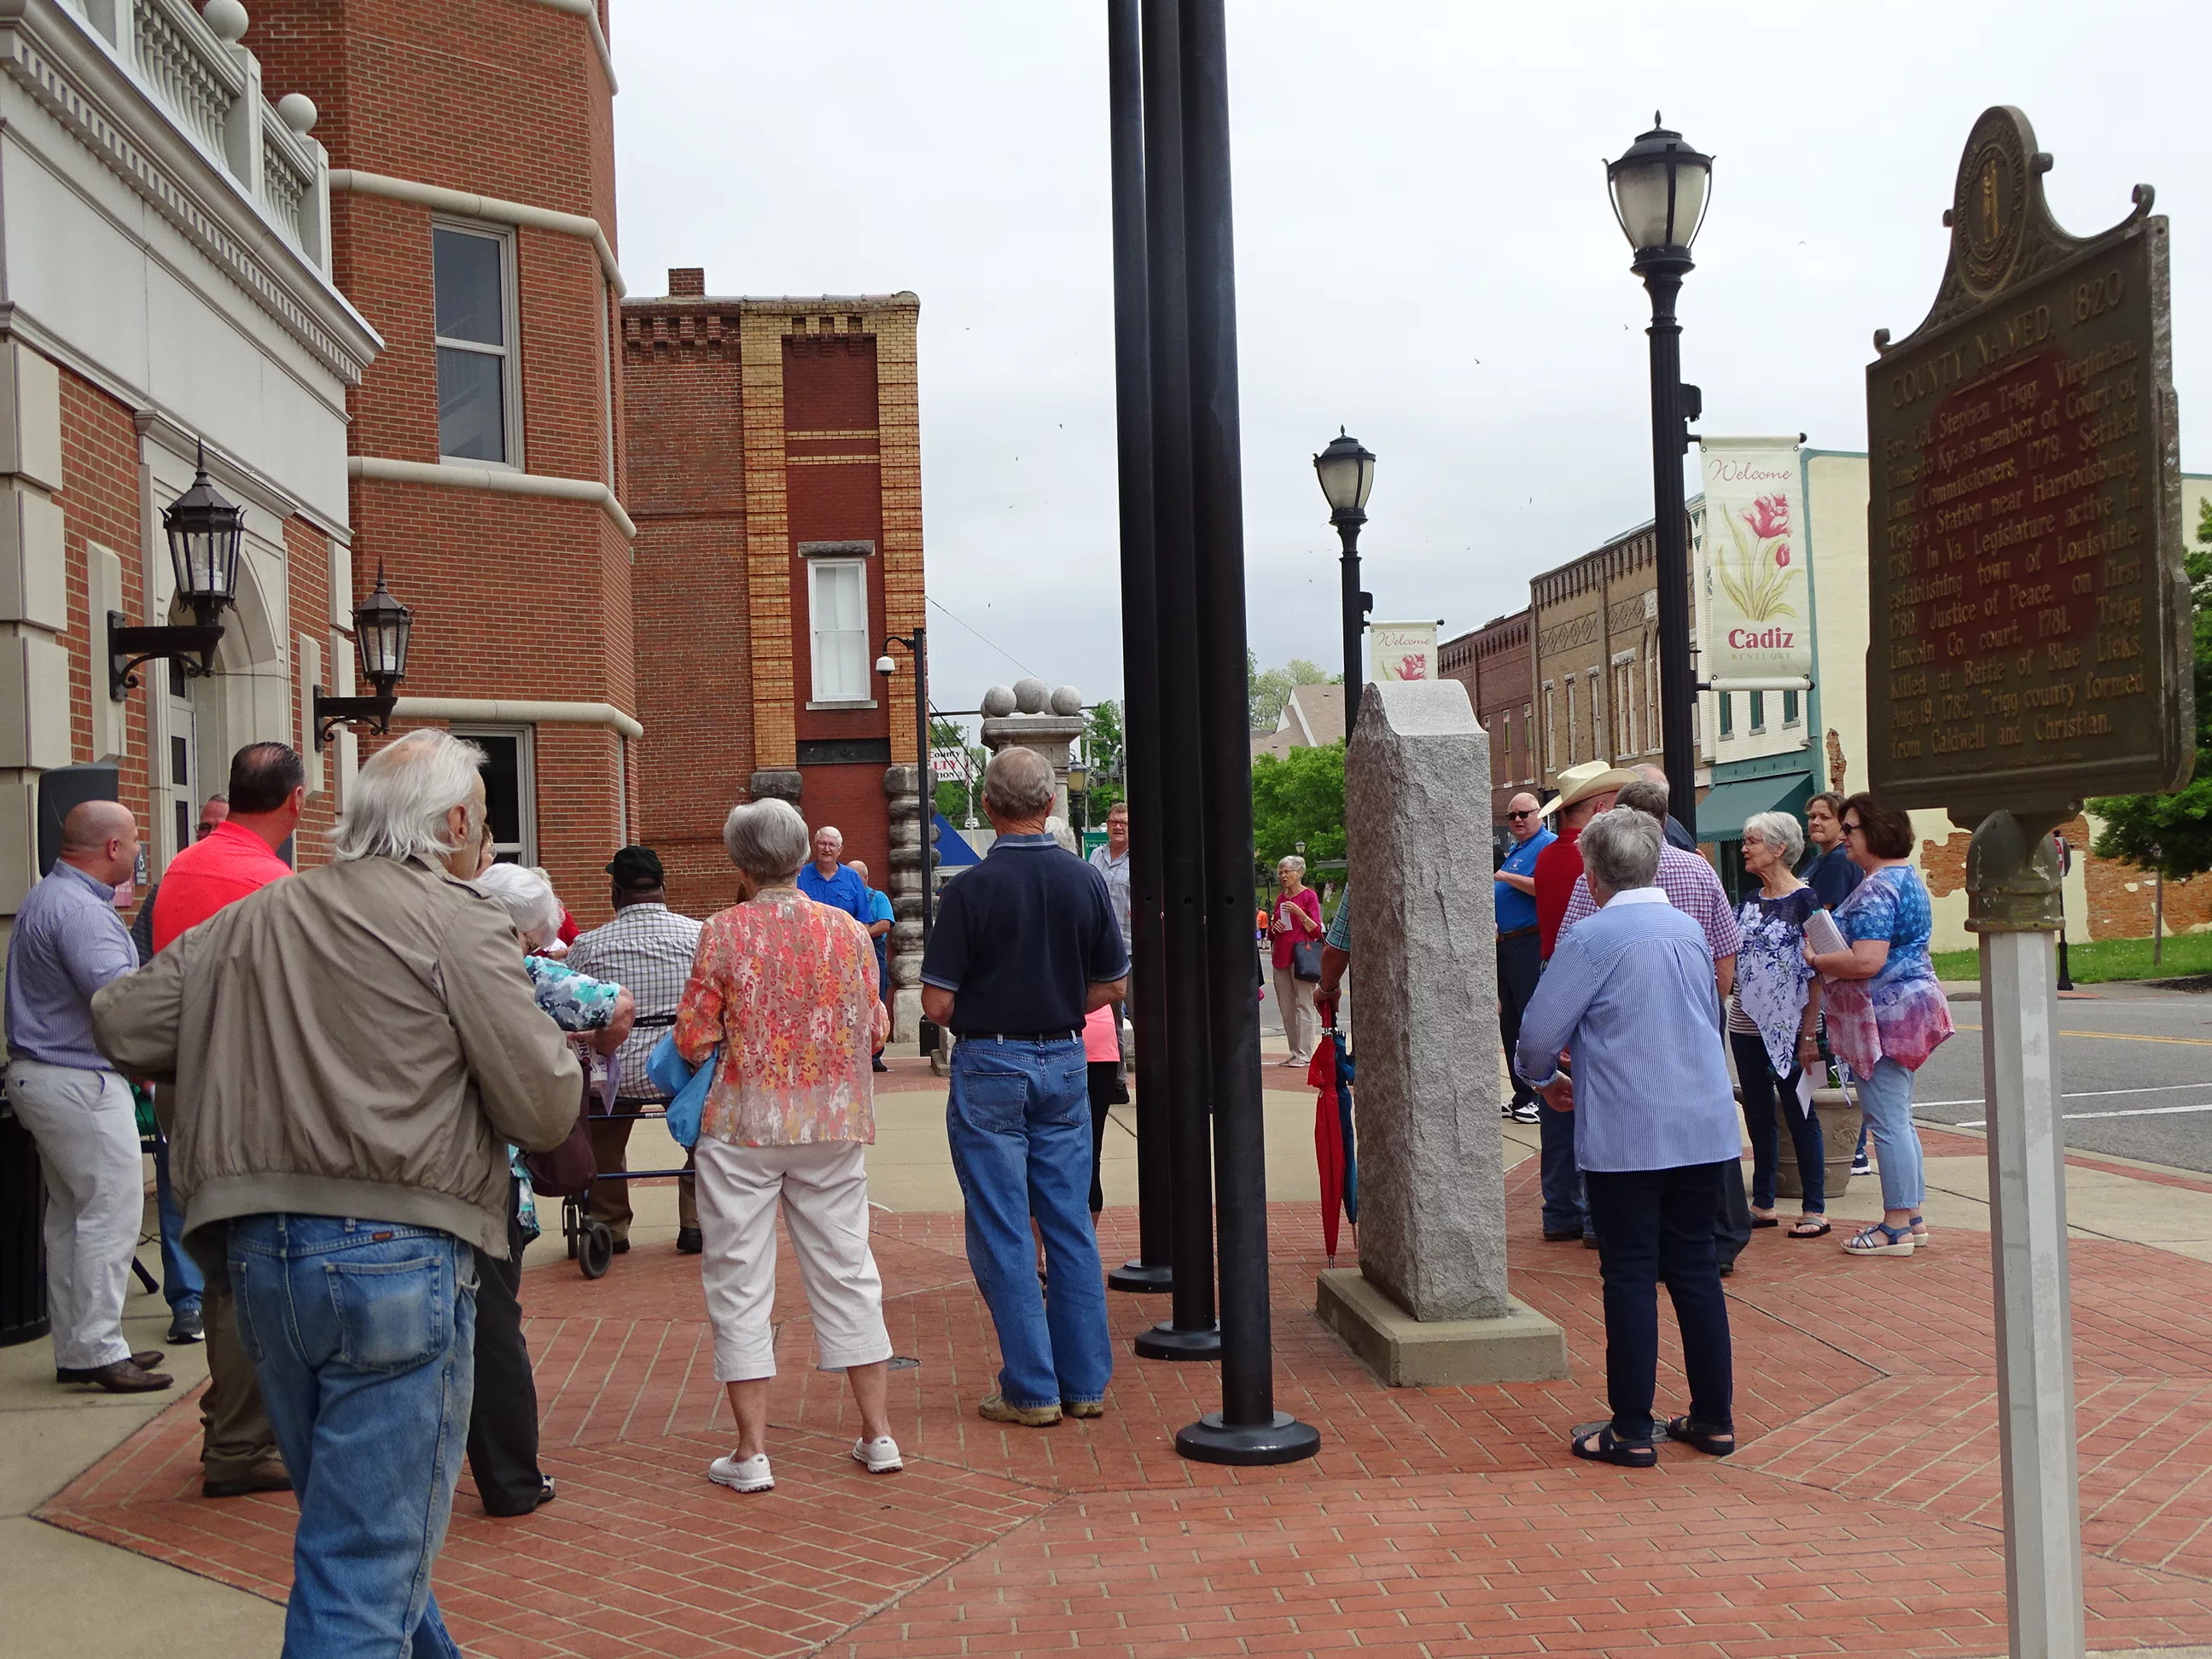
pixel 1266 693
pixel 1298 798
pixel 2173 834
pixel 1102 739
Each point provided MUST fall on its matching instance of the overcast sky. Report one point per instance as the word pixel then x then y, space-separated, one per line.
pixel 1424 254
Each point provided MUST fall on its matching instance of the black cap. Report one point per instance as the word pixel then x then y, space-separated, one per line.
pixel 636 867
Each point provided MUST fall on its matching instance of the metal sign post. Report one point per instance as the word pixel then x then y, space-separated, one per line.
pixel 2030 649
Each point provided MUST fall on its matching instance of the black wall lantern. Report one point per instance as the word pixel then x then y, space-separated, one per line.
pixel 381 627
pixel 204 531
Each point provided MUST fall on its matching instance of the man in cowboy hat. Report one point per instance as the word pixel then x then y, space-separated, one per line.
pixel 1584 792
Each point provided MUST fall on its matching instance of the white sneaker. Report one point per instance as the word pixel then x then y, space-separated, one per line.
pixel 742 1475
pixel 879 1456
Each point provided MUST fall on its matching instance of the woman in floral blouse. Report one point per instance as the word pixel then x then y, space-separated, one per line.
pixel 1772 1016
pixel 785 988
pixel 1886 1013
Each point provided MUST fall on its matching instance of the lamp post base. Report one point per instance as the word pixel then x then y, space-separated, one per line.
pixel 1164 1341
pixel 1142 1276
pixel 1285 1440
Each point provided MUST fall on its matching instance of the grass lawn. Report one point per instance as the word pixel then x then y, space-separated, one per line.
pixel 2095 960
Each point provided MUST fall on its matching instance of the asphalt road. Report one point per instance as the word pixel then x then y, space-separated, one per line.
pixel 2136 1066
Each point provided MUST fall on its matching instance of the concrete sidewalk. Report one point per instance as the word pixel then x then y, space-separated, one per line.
pixel 1858 1518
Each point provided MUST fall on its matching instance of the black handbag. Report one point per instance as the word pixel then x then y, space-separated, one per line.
pixel 1305 960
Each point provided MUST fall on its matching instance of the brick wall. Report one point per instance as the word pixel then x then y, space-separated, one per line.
pixel 99 504
pixel 307 564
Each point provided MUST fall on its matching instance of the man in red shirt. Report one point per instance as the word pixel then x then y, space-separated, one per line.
pixel 1585 791
pixel 237 856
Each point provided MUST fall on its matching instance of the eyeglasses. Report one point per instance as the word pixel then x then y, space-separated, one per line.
pixel 1850 829
pixel 1521 815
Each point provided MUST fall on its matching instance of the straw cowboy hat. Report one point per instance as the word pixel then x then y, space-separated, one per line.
pixel 1579 783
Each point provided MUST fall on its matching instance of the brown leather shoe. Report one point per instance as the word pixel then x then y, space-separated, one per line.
pixel 128 1377
pixel 268 1475
pixel 145 1359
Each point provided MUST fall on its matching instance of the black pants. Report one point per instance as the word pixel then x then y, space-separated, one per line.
pixel 503 1417
pixel 1731 1214
pixel 1104 1078
pixel 1756 1074
pixel 1655 1224
pixel 1520 964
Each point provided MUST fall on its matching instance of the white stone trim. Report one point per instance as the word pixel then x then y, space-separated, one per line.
pixel 221 225
pixel 500 481
pixel 501 711
pixel 463 205
pixel 590 14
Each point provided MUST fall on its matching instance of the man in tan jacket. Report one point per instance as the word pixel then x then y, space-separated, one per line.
pixel 351 1050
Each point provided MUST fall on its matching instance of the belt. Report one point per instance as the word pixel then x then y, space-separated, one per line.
pixel 1019 1036
pixel 1516 932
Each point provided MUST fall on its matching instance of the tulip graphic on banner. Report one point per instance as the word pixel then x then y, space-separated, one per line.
pixel 1759 614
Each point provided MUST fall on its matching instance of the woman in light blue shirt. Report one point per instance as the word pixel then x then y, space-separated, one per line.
pixel 1630 991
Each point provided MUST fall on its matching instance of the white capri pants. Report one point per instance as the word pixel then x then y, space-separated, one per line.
pixel 87 1135
pixel 823 1191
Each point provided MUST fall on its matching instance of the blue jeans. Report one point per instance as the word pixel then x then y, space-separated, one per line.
pixel 362 1333
pixel 1565 1208
pixel 1018 1118
pixel 1886 1098
pixel 182 1287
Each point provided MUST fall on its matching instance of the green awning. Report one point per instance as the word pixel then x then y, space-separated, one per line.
pixel 1726 805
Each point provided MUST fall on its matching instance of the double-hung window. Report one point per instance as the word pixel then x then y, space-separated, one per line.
pixel 837 608
pixel 472 273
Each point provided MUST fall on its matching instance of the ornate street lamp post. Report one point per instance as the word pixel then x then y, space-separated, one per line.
pixel 917 647
pixel 1659 193
pixel 381 630
pixel 1347 471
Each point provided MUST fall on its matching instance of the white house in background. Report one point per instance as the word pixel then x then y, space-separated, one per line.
pixel 1312 719
pixel 165 284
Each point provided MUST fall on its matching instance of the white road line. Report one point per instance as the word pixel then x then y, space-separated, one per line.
pixel 2084 1094
pixel 2077 1117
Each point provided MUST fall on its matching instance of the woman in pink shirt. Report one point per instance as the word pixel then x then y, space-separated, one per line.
pixel 1102 1053
pixel 1296 918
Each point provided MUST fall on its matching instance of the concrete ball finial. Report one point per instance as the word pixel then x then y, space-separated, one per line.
pixel 998 702
pixel 1068 702
pixel 1031 694
pixel 297 110
pixel 227 18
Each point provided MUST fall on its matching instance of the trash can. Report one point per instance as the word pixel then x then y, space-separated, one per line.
pixel 23 1235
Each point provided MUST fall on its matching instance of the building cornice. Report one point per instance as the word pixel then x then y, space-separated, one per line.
pixel 503 711
pixel 48 52
pixel 463 204
pixel 589 12
pixel 446 475
pixel 789 305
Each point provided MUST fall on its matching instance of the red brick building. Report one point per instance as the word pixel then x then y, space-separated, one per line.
pixel 1496 665
pixel 774 471
pixel 485 450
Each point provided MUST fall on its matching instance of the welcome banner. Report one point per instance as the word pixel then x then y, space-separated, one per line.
pixel 1759 599
pixel 1403 651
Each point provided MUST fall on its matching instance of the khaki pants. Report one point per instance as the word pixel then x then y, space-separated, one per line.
pixel 1294 1002
pixel 235 1429
pixel 611 1199
pixel 87 1138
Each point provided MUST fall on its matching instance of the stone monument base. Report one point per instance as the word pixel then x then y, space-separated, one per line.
pixel 905 1013
pixel 1405 1352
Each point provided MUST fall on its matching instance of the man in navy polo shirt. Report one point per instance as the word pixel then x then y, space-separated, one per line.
pixel 1025 946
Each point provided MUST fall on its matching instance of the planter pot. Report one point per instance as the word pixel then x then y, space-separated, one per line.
pixel 1839 1134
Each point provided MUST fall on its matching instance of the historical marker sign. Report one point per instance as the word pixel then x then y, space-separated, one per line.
pixel 2030 620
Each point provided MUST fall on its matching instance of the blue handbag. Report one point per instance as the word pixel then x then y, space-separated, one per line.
pixel 686 1089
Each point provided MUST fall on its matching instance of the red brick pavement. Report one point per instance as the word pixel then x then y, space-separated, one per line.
pixel 1860 1517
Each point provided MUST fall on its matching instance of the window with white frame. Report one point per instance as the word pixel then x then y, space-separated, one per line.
pixel 1528 740
pixel 1551 729
pixel 510 782
pixel 1624 712
pixel 1570 720
pixel 837 614
pixel 479 410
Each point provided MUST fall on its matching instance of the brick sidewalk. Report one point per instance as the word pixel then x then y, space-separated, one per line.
pixel 1860 1516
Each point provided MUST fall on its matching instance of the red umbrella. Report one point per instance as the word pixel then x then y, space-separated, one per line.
pixel 1329 1137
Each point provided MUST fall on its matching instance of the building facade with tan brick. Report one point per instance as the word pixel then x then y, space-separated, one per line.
pixel 1594 624
pixel 1495 663
pixel 774 468
pixel 169 291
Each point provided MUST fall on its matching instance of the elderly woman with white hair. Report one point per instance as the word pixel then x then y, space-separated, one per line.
pixel 1774 1020
pixel 1630 990
pixel 503 1413
pixel 1297 920
pixel 786 987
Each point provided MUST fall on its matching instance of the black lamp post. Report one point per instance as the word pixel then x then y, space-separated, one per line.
pixel 1659 194
pixel 203 531
pixel 1347 471
pixel 381 630
pixel 917 645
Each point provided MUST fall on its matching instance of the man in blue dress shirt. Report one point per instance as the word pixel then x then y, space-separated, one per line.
pixel 1520 952
pixel 1631 992
pixel 828 881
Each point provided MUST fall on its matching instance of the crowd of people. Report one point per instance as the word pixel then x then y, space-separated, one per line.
pixel 349 1067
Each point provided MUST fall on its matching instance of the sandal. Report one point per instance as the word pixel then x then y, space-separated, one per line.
pixel 1608 1446
pixel 1713 1442
pixel 1922 1238
pixel 1810 1226
pixel 1763 1218
pixel 1879 1238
